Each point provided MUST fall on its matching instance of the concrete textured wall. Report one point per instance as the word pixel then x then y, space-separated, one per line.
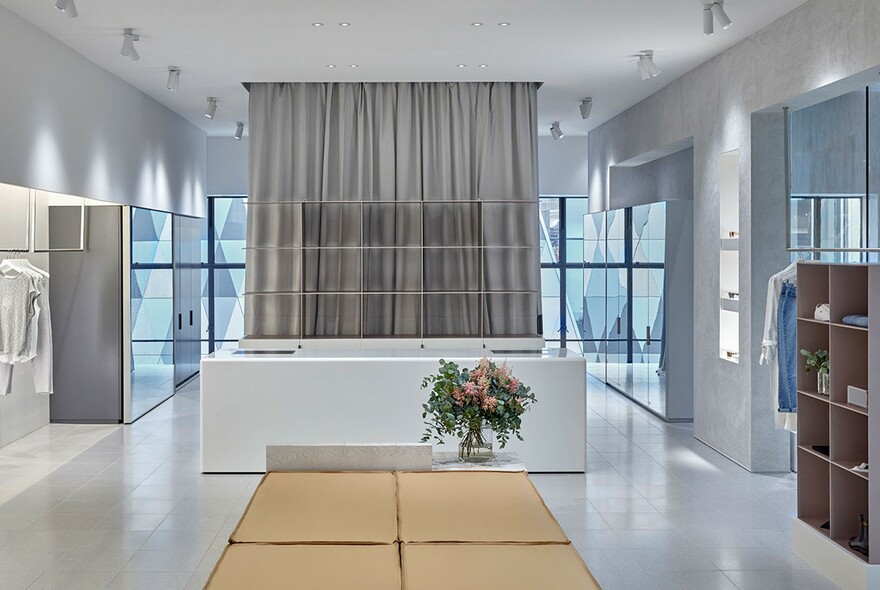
pixel 821 42
pixel 72 127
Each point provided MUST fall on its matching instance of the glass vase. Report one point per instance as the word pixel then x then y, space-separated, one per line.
pixel 476 445
pixel 824 383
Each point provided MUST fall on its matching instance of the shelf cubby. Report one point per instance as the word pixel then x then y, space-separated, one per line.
pixel 812 289
pixel 849 437
pixel 812 336
pixel 849 363
pixel 848 287
pixel 828 488
pixel 848 499
pixel 814 506
pixel 813 421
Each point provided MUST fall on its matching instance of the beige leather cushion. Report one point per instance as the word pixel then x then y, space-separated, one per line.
pixel 473 507
pixel 511 567
pixel 302 507
pixel 312 567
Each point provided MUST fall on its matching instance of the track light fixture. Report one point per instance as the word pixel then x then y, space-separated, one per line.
pixel 586 107
pixel 128 49
pixel 212 107
pixel 239 131
pixel 173 83
pixel 708 20
pixel 68 7
pixel 556 130
pixel 647 67
pixel 714 10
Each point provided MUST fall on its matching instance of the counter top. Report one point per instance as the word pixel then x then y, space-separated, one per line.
pixel 465 355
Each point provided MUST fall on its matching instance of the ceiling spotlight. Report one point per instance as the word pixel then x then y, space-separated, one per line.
pixel 708 20
pixel 503 24
pixel 586 107
pixel 344 24
pixel 173 83
pixel 721 15
pixel 477 24
pixel 68 7
pixel 352 65
pixel 317 24
pixel 128 50
pixel 484 65
pixel 462 65
pixel 212 107
pixel 239 131
pixel 556 130
pixel 647 67
pixel 331 65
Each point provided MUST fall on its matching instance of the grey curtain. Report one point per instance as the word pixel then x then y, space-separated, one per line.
pixel 359 220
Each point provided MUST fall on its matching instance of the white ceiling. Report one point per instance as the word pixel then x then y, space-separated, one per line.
pixel 576 47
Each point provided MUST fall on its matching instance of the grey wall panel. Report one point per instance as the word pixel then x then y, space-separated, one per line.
pixel 86 298
pixel 679 300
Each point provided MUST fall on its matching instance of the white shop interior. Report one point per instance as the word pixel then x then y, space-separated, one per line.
pixel 240 240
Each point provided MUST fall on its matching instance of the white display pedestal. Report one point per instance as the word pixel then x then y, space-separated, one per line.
pixel 255 399
pixel 449 461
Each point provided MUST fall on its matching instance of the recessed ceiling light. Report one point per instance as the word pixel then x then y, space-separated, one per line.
pixel 462 65
pixel 477 24
pixel 317 24
pixel 352 65
pixel 344 24
pixel 331 65
pixel 503 24
pixel 484 65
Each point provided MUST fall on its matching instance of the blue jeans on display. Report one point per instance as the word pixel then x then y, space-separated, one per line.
pixel 786 335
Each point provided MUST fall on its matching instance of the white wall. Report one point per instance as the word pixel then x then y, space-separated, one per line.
pixel 817 44
pixel 227 166
pixel 71 127
pixel 562 165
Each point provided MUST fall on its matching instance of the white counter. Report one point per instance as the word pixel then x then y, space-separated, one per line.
pixel 310 396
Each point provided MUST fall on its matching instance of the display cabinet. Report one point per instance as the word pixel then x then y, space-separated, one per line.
pixel 395 269
pixel 834 436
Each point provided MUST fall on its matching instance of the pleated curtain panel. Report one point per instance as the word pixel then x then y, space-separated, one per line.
pixel 383 210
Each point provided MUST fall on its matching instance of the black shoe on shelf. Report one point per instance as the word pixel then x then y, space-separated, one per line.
pixel 860 542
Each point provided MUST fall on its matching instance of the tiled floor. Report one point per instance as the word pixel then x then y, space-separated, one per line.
pixel 130 510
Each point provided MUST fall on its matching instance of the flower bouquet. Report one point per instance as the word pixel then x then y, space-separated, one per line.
pixel 472 403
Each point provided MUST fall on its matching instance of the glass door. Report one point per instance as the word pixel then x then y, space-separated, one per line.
pixel 648 276
pixel 152 310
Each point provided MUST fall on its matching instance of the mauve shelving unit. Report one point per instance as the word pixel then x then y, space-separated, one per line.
pixel 828 490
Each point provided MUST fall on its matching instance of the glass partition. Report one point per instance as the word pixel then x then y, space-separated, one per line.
pixel 833 187
pixel 152 310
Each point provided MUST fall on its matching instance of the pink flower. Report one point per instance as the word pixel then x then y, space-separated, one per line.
pixel 490 404
pixel 514 385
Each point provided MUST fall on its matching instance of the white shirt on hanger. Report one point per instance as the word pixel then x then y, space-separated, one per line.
pixel 39 347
